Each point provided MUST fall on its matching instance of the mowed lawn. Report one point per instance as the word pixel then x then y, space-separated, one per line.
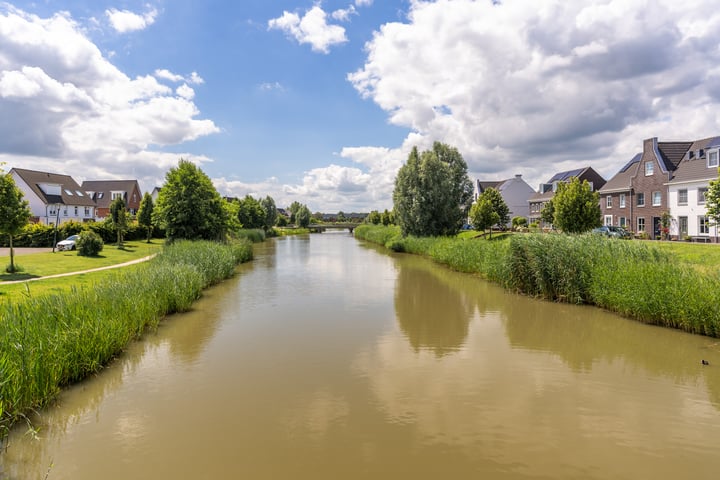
pixel 705 257
pixel 37 265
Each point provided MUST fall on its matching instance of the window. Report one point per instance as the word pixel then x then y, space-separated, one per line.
pixel 640 199
pixel 641 224
pixel 683 227
pixel 87 211
pixel 117 195
pixel 608 201
pixel 622 200
pixel 703 226
pixel 649 168
pixel 52 210
pixel 623 222
pixel 608 220
pixel 713 159
pixel 592 187
pixel 682 197
pixel 656 199
pixel 701 195
pixel 68 192
pixel 76 210
pixel 65 211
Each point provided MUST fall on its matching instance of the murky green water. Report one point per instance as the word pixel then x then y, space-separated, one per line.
pixel 327 358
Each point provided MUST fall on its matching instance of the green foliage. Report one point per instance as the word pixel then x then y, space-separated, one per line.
pixel 498 205
pixel 432 192
pixel 66 337
pixel 483 214
pixel 374 218
pixel 547 215
pixel 189 206
pixel 89 244
pixel 387 218
pixel 712 201
pixel 282 221
pixel 118 217
pixel 251 213
pixel 255 235
pixel 14 212
pixel 577 207
pixel 519 222
pixel 145 214
pixel 294 208
pixel 271 213
pixel 302 217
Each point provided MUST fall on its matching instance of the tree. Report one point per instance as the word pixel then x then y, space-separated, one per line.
pixel 302 217
pixel 712 202
pixel 374 218
pixel 341 216
pixel 547 214
pixel 577 207
pixel 271 213
pixel 498 205
pixel 294 208
pixel 14 212
pixel 251 213
pixel 483 214
pixel 387 218
pixel 118 217
pixel 189 206
pixel 145 214
pixel 432 192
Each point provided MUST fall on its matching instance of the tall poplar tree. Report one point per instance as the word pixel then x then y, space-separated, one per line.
pixel 145 214
pixel 14 212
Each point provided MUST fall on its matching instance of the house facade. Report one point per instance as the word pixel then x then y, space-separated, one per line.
pixel 547 190
pixel 515 192
pixel 105 191
pixel 616 201
pixel 53 198
pixel 687 189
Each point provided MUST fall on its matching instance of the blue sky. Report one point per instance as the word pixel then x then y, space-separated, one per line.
pixel 320 101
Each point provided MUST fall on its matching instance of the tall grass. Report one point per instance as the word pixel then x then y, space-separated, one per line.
pixel 53 340
pixel 634 279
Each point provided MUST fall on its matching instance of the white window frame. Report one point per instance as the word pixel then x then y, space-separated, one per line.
pixel 641 220
pixel 702 195
pixel 638 196
pixel 622 221
pixel 712 159
pixel 622 200
pixel 115 195
pixel 608 201
pixel 703 225
pixel 659 199
pixel 649 168
pixel 682 192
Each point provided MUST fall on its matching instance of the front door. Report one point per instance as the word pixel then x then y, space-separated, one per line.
pixel 682 227
pixel 656 228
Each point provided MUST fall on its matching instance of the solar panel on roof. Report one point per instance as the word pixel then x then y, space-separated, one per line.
pixel 715 142
pixel 634 160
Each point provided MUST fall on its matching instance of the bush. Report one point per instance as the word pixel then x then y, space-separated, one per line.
pixel 89 244
pixel 519 222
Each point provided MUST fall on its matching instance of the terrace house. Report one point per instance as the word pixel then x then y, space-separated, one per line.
pixel 105 191
pixel 687 189
pixel 515 192
pixel 616 196
pixel 547 190
pixel 53 198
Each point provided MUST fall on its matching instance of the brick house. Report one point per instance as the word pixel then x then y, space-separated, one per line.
pixel 105 191
pixel 547 190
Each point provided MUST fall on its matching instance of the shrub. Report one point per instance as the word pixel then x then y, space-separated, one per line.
pixel 89 244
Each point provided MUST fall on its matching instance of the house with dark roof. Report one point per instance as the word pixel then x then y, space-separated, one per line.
pixel 687 189
pixel 547 190
pixel 105 191
pixel 54 198
pixel 515 192
pixel 639 194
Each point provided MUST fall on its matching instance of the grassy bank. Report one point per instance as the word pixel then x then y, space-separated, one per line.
pixel 52 340
pixel 636 279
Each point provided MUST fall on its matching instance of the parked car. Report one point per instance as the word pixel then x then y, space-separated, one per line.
pixel 68 243
pixel 612 232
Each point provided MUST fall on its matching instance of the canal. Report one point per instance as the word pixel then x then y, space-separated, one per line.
pixel 329 358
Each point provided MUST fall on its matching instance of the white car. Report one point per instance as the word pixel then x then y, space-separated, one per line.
pixel 68 243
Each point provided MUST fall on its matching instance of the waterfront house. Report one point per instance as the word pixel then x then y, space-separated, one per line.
pixel 103 192
pixel 547 190
pixel 53 198
pixel 687 189
pixel 515 192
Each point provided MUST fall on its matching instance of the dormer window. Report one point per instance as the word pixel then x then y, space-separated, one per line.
pixel 712 159
pixel 649 168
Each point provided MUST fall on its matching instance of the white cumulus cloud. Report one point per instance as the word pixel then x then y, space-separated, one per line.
pixel 126 21
pixel 312 28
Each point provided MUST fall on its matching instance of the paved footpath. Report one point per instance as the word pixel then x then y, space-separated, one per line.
pixel 132 262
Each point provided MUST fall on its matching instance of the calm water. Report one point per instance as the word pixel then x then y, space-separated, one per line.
pixel 328 358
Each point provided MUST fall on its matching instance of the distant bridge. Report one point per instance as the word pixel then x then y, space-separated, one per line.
pixel 321 227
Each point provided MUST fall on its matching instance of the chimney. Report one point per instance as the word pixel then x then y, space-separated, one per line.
pixel 518 176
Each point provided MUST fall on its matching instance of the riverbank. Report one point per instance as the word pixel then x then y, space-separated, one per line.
pixel 53 340
pixel 634 279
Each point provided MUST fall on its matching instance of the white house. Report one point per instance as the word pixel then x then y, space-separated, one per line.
pixel 687 188
pixel 52 197
pixel 515 192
